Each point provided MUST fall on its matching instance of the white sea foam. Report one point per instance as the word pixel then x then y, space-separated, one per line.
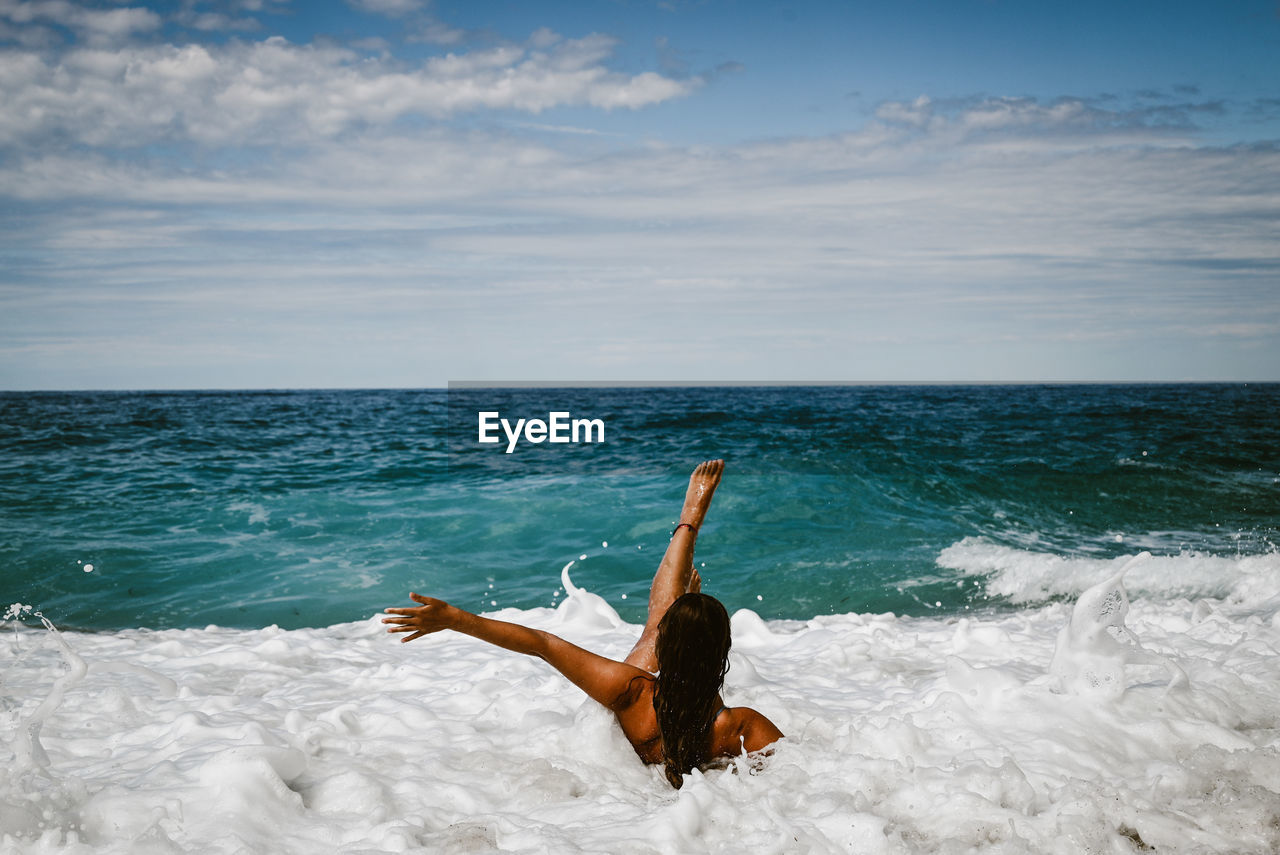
pixel 1026 576
pixel 257 513
pixel 903 735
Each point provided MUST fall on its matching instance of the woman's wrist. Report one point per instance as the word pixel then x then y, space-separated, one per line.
pixel 455 618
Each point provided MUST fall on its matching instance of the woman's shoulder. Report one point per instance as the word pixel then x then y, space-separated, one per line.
pixel 639 687
pixel 738 728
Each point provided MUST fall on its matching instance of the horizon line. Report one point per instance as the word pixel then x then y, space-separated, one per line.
pixel 463 385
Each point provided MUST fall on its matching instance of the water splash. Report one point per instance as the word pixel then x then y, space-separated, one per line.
pixel 30 794
pixel 581 606
pixel 1095 645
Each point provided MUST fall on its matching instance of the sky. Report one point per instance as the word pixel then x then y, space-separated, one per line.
pixel 404 193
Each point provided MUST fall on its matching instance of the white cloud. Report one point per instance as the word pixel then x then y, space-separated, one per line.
pixel 875 206
pixel 543 38
pixel 272 90
pixel 117 23
pixel 437 33
pixel 917 113
pixel 214 22
pixel 1025 119
pixel 394 8
pixel 96 26
pixel 372 43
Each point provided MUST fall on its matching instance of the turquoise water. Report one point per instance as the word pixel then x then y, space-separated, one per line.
pixel 308 508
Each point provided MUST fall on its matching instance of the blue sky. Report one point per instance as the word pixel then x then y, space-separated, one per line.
pixel 271 193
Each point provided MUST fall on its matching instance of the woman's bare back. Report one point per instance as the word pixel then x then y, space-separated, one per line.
pixel 733 730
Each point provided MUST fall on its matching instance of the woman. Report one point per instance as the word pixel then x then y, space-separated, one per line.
pixel 666 693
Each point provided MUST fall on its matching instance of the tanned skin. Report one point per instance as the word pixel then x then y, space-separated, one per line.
pixel 625 688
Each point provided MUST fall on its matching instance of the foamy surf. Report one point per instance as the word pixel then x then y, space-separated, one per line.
pixel 904 735
pixel 1027 576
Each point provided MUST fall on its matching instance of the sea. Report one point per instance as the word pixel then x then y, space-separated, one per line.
pixel 988 618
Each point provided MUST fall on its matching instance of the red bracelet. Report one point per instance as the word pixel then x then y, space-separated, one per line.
pixel 692 528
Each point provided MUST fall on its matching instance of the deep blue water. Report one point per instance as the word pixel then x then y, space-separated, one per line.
pixel 306 508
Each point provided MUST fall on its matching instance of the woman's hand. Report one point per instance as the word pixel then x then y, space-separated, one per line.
pixel 605 680
pixel 432 616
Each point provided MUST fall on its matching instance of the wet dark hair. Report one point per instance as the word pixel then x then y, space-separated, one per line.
pixel 693 657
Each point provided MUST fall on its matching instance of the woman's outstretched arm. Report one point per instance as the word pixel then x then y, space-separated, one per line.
pixel 675 574
pixel 603 679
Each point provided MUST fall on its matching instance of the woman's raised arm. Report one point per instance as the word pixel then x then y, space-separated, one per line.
pixel 603 679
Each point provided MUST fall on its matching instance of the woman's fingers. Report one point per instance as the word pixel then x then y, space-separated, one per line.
pixel 417 631
pixel 419 620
